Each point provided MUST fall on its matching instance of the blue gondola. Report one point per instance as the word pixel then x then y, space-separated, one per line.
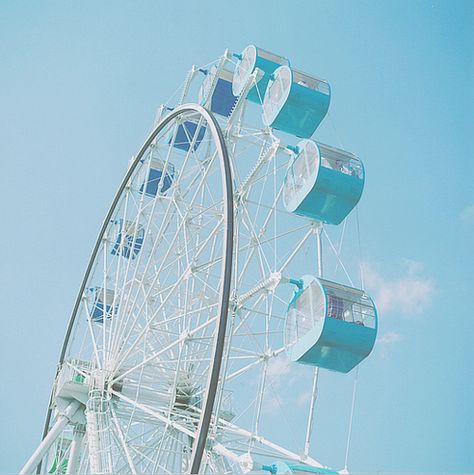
pixel 220 99
pixel 322 182
pixel 156 179
pixel 189 132
pixel 289 467
pixel 295 102
pixel 129 240
pixel 251 58
pixel 330 325
pixel 103 305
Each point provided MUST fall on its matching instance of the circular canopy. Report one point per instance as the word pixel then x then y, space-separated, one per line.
pixel 277 93
pixel 307 309
pixel 205 88
pixel 301 174
pixel 244 69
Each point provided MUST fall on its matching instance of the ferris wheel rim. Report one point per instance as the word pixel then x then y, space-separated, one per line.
pixel 226 269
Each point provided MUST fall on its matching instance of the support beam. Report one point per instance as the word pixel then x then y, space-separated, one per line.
pixel 314 391
pixel 268 284
pixel 75 450
pixel 51 436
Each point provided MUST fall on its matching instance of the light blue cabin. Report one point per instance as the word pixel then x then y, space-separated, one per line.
pixel 330 325
pixel 322 183
pixel 103 304
pixel 288 467
pixel 295 102
pixel 250 59
pixel 188 134
pixel 216 91
pixel 158 180
pixel 129 240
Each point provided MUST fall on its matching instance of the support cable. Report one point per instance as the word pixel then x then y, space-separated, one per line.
pixel 349 432
pixel 361 267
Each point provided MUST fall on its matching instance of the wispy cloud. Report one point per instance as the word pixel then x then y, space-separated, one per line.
pixel 409 294
pixel 278 367
pixel 273 404
pixel 467 214
pixel 386 342
pixel 303 398
pixel 282 375
pixel 388 338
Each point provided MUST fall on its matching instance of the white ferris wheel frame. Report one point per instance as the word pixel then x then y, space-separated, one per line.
pixel 226 276
pixel 229 270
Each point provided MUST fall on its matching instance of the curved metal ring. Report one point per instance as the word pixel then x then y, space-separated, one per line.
pixel 226 271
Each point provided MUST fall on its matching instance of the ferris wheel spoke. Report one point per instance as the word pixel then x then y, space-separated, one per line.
pixel 145 450
pixel 121 440
pixel 92 334
pixel 121 359
pixel 263 186
pixel 257 238
pixel 169 438
pixel 155 355
pixel 122 448
pixel 183 314
pixel 155 414
pixel 105 288
pixel 259 401
pixel 254 245
pixel 251 247
pixel 175 236
pixel 125 303
pixel 254 236
pixel 140 206
pixel 124 215
pixel 295 251
pixel 146 459
pixel 265 442
pixel 168 217
pixel 260 359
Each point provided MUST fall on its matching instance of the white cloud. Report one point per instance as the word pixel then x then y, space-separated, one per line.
pixel 413 267
pixel 407 295
pixel 282 375
pixel 388 338
pixel 279 366
pixel 467 214
pixel 273 405
pixel 386 342
pixel 303 398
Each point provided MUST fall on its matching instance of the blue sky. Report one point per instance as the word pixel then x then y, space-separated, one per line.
pixel 79 86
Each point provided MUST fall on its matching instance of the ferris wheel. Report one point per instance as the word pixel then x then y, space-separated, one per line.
pixel 208 268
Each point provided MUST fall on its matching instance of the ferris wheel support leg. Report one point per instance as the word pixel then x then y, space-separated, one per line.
pixel 75 450
pixel 314 391
pixel 52 435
